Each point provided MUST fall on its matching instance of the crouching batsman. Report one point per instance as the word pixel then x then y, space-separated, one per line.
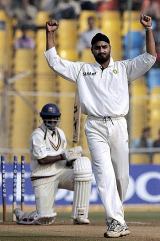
pixel 51 169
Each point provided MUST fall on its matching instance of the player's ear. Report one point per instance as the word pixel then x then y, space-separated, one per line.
pixel 109 47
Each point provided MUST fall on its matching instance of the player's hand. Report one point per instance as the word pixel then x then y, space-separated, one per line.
pixel 146 21
pixel 51 26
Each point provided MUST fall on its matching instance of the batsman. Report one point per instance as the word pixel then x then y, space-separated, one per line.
pixel 52 167
pixel 103 94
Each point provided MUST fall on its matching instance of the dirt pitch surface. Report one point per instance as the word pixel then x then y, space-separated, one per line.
pixel 67 232
pixel 144 226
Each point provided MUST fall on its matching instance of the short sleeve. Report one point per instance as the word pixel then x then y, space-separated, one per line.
pixel 38 146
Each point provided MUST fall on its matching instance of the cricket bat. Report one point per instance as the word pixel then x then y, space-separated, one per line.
pixel 76 119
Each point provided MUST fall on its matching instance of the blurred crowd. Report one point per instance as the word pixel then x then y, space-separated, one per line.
pixel 145 140
pixel 25 10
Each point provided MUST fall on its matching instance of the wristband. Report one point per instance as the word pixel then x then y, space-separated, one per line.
pixel 148 28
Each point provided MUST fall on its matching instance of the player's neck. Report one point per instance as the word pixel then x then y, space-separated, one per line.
pixel 105 65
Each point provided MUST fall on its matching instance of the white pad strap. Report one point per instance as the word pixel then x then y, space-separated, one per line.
pixel 82 187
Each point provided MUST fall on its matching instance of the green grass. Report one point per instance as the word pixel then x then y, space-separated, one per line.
pixel 145 216
pixel 99 216
pixel 134 216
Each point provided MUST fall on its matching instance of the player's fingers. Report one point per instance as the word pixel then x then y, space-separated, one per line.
pixel 53 22
pixel 147 19
pixel 141 16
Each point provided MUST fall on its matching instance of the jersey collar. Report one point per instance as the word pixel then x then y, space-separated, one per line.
pixel 111 63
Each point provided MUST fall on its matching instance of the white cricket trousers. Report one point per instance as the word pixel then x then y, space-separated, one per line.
pixel 46 191
pixel 77 179
pixel 108 144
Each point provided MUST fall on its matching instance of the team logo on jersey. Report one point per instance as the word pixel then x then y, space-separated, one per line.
pixel 88 73
pixel 115 71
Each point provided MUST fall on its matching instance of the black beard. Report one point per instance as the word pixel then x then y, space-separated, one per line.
pixel 102 59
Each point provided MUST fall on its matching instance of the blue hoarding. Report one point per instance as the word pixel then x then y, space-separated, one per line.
pixel 144 187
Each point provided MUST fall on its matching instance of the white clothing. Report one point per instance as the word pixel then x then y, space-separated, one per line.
pixel 47 178
pixel 104 93
pixel 42 147
pixel 45 193
pixel 108 144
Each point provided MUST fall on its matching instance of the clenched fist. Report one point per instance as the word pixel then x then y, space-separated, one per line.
pixel 146 21
pixel 51 26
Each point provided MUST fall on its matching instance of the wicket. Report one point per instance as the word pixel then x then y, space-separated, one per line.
pixel 15 162
pixel 22 181
pixel 3 187
pixel 22 184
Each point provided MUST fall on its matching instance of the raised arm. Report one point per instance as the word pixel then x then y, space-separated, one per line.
pixel 51 27
pixel 67 69
pixel 146 21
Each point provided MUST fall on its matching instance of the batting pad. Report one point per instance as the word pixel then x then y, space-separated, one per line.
pixel 82 169
pixel 82 187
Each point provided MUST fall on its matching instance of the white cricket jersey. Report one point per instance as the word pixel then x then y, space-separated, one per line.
pixel 42 147
pixel 102 92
